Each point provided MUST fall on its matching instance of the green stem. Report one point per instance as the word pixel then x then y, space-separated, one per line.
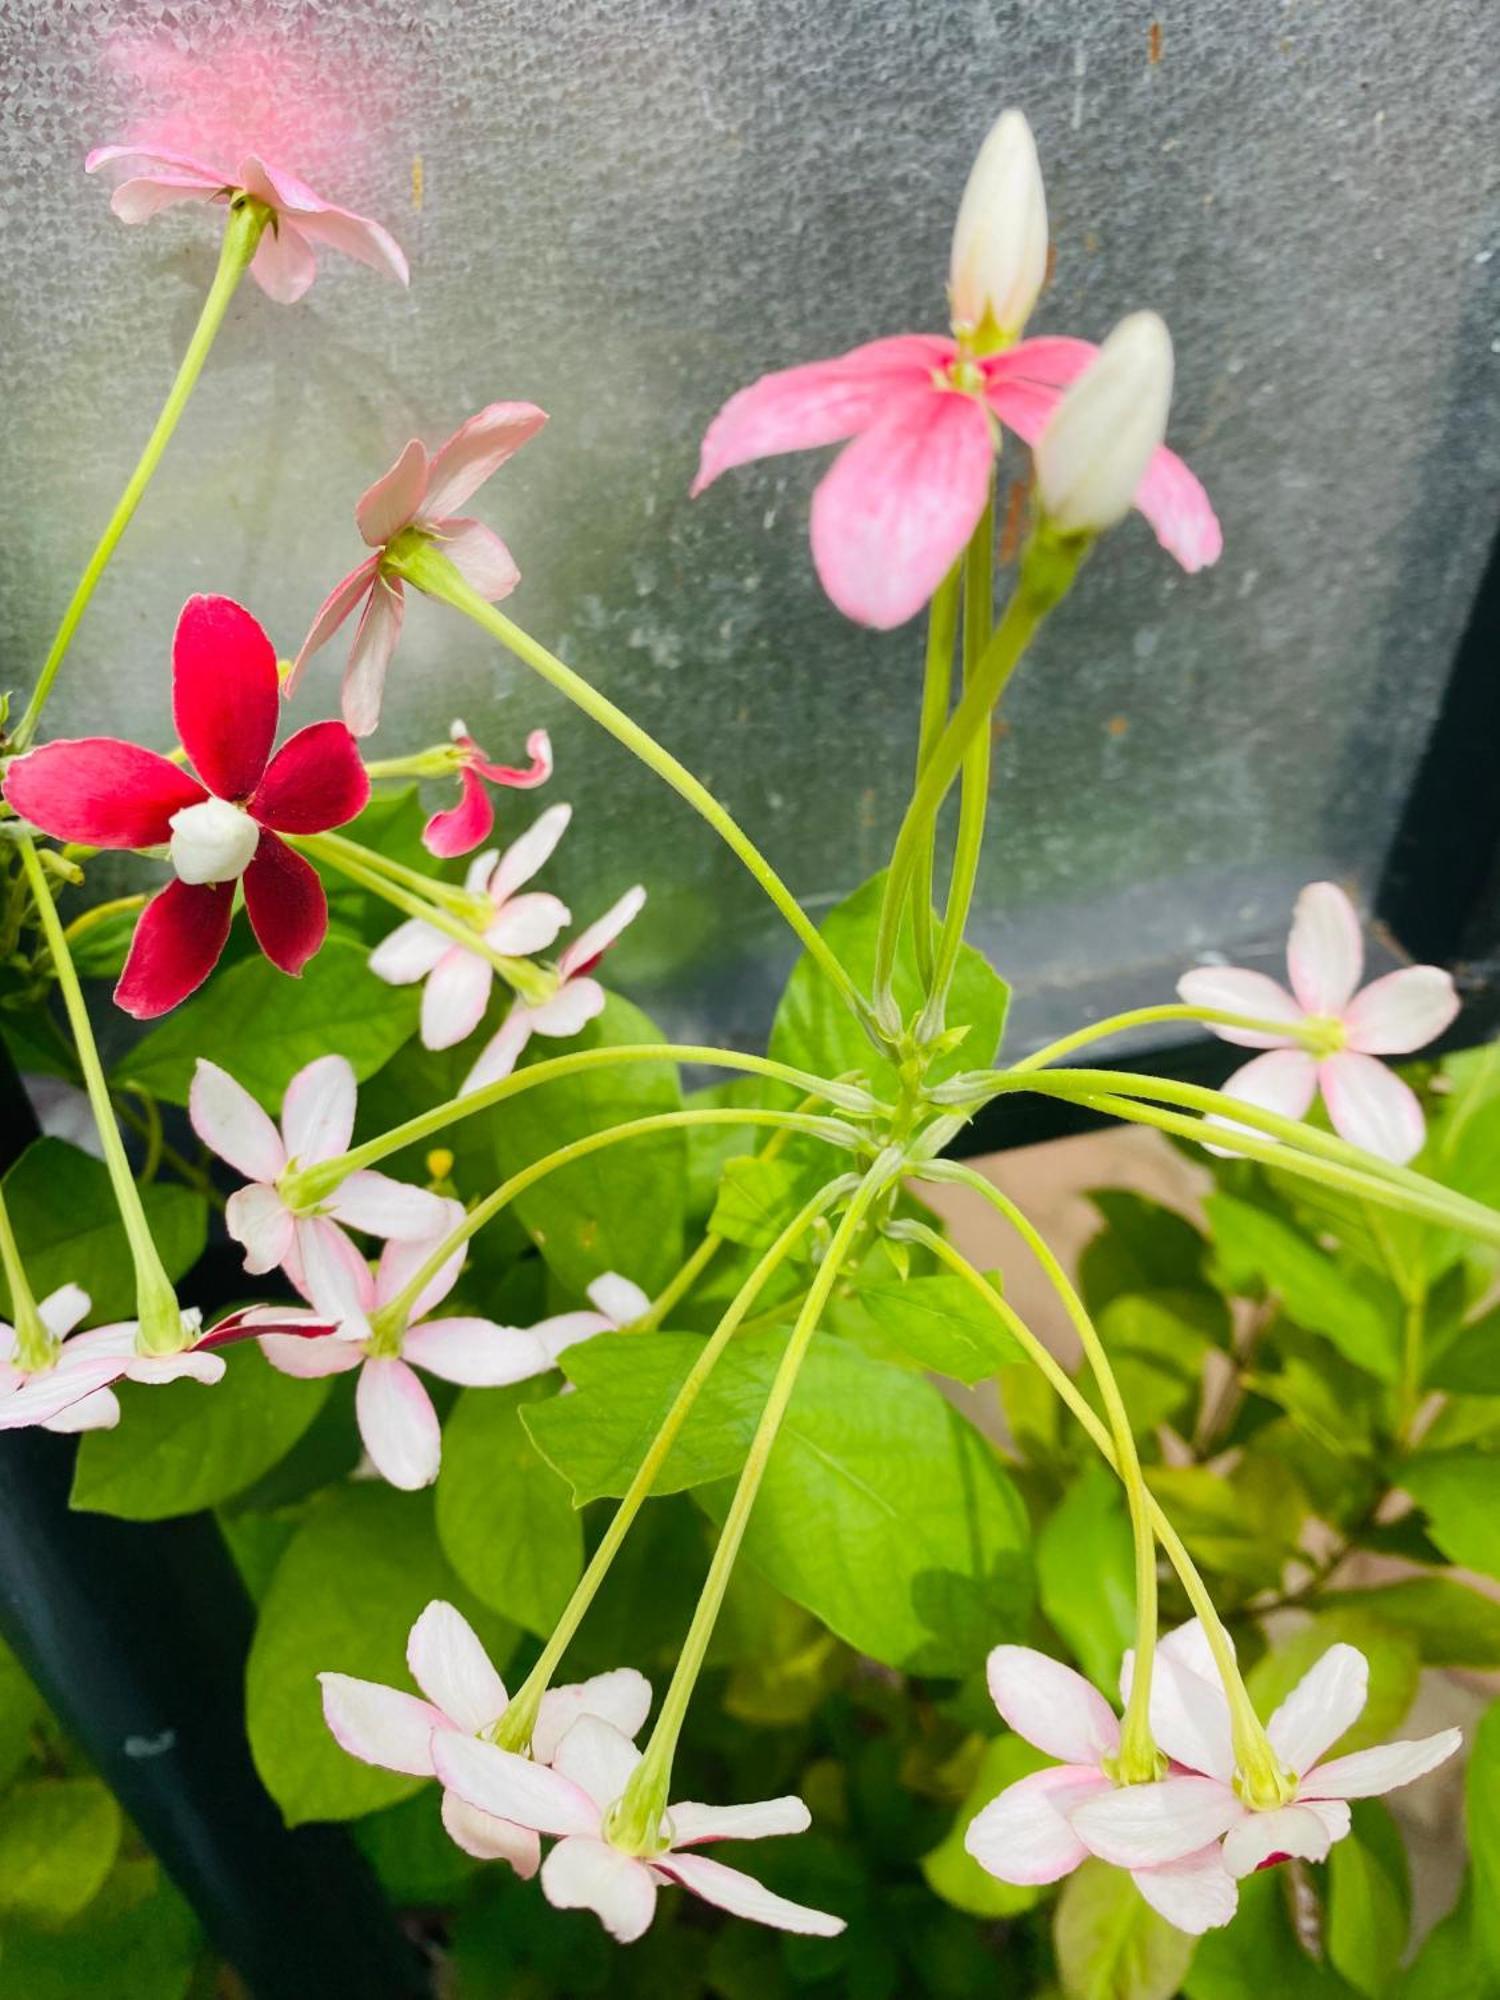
pixel 465 906
pixel 424 564
pixel 242 234
pixel 515 1730
pixel 1146 1017
pixel 160 1317
pixel 937 686
pixel 35 1347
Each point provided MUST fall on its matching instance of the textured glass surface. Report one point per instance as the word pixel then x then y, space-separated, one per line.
pixel 624 209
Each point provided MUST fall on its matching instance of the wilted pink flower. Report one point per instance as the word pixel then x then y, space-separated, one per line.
pixel 465 1696
pixel 148 179
pixel 589 1772
pixel 1392 1016
pixel 461 828
pixel 419 492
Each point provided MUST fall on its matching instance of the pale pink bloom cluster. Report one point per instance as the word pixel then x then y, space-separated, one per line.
pixel 1392 1016
pixel 1189 1838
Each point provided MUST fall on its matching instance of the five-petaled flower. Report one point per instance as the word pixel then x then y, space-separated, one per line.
pixel 52 1369
pixel 572 1798
pixel 1348 1029
pixel 460 829
pixel 419 493
pixel 219 828
pixel 148 179
pixel 464 1695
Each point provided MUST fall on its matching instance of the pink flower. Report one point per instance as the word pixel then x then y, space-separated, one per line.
pixel 466 1697
pixel 419 492
pixel 1028 1834
pixel 458 980
pixel 396 1419
pixel 1148 1827
pixel 1392 1016
pixel 317 1124
pixel 572 1799
pixel 148 179
pixel 60 1380
pixel 461 828
pixel 220 827
pixel 572 1006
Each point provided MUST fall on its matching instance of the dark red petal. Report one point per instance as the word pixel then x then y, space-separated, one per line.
pixel 176 946
pixel 460 829
pixel 100 791
pixel 285 903
pixel 225 694
pixel 245 1325
pixel 314 781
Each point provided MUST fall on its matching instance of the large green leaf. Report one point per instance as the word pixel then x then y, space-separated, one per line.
pixel 1369 1901
pixel 758 1198
pixel 136 1941
pixel 815 1030
pixel 1347 1305
pixel 1469 1364
pixel 941 1324
pixel 58 1842
pixel 1085 1570
pixel 1110 1944
pixel 1459 1491
pixel 358 1571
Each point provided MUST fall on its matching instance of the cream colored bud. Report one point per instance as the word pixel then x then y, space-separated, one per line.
pixel 1093 455
pixel 213 841
pixel 1000 238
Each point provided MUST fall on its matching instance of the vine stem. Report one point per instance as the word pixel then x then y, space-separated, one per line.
pixel 937 687
pixel 35 1346
pixel 1146 1017
pixel 242 234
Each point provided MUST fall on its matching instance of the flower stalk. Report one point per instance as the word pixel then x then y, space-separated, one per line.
pixel 35 1347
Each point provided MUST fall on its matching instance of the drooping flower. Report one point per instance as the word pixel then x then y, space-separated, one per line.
pixel 1027 1834
pixel 572 1799
pixel 419 492
pixel 1153 1826
pixel 576 1001
pixel 1393 1016
pixel 458 980
pixel 464 1695
pixel 1100 440
pixel 460 829
pixel 148 179
pixel 219 828
pixel 616 1303
pixel 317 1124
pixel 59 1312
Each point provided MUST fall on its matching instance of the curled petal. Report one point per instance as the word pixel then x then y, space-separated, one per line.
pixel 60 1311
pixel 1231 989
pixel 316 780
pixel 731 1889
pixel 138 200
pixel 1371 1107
pixel 285 903
pixel 380 1725
pixel 44 1398
pixel 479 556
pixel 461 828
pixel 226 696
pixel 370 655
pixel 1325 1703
pixel 262 1224
pixel 476 451
pixel 283 265
pixel 398 1424
pixel 517 778
pixel 176 946
pixel 230 1123
pixel 346 594
pixel 317 1110
pixel 391 504
pixel 311 1360
pixel 584 1874
pixel 490 1839
pixel 451 1667
pixel 1402 1012
pixel 1261 1836
pixel 1365 1774
pixel 355 236
pixel 101 792
pixel 1025 1834
pixel 1180 513
pixel 1325 953
pixel 1052 1706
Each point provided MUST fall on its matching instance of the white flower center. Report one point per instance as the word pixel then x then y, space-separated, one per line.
pixel 213 842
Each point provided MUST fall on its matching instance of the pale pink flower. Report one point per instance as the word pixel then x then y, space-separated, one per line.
pixel 615 1301
pixel 460 829
pixel 464 1695
pixel 148 179
pixel 575 1002
pixel 1147 1827
pixel 396 1419
pixel 459 980
pixel 64 1373
pixel 420 492
pixel 1392 1016
pixel 1027 1833
pixel 317 1124
pixel 572 1799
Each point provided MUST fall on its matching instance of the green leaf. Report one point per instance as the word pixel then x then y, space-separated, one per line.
pixel 1451 1625
pixel 1369 1901
pixel 758 1198
pixel 263 1027
pixel 951 1871
pixel 1110 1944
pixel 1482 1802
pixel 1394 1666
pixel 179 1447
pixel 21 1709
pixel 1245 1526
pixel 58 1841
pixel 622 1208
pixel 815 1030
pixel 1459 1491
pixel 100 951
pixel 1259 1954
pixel 942 1325
pixel 1143 1247
pixel 503 1515
pixel 1447 1967
pixel 63 1212
pixel 358 1572
pixel 138 1940
pixel 1470 1363
pixel 1086 1574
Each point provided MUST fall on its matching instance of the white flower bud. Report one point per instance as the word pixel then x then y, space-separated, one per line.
pixel 1092 456
pixel 213 841
pixel 1000 238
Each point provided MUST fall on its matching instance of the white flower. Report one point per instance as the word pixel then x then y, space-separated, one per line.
pixel 999 256
pixel 1103 435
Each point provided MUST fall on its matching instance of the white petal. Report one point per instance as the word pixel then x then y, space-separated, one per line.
pixel 261 1223
pixel 398 1424
pixel 98 1412
pixel 1196 1894
pixel 409 953
pixel 230 1123
pixel 621 1697
pixel 618 1299
pixel 598 1758
pixel 331 1274
pixel 743 1896
pixel 501 1052
pixel 575 1003
pixel 317 1112
pixel 184 1367
pixel 61 1310
pixel 401 1259
pixel 381 1725
pixel 692 1823
pixel 582 1874
pixel 512 1787
pixel 1325 953
pixel 482 866
pixel 1141 1826
pixel 453 1670
pixel 1189 1714
pixel 490 1839
pixel 385 1207
pixel 44 1397
pixel 1231 989
pixel 1264 1836
pixel 1401 1012
pixel 528 853
pixel 475 1352
pixel 1371 1107
pixel 565 1330
pixel 1365 1774
pixel 1328 1700
pixel 602 933
pixel 1025 1834
pixel 528 923
pixel 1052 1706
pixel 455 997
pixel 1282 1080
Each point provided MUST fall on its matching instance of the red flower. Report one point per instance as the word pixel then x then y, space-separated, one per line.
pixel 461 828
pixel 219 827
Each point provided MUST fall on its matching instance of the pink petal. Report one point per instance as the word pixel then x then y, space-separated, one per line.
pixel 1052 1706
pixel 527 924
pixel 582 1874
pixel 1328 1700
pixel 490 1839
pixel 401 1260
pixel 586 950
pixel 598 1758
pixel 1282 1080
pixel 335 608
pixel 317 1110
pixel 822 402
pixel 1051 361
pixel 380 1725
pixel 500 1054
pixel 1025 1834
pixel 138 200
pixel 476 451
pixel 230 1122
pixel 398 1424
pixel 1142 1826
pixel 385 1207
pixel 154 160
pixel 370 656
pixel 1173 500
pixel 895 510
pixel 1325 953
pixel 575 1003
pixel 391 504
pixel 512 1787
pixel 455 997
pixel 226 696
pixel 283 265
pixel 1370 1106
pixel 262 1224
pixel 354 236
pixel 311 1360
pixel 518 778
pixel 458 829
pixel 45 1397
pixel 98 1412
pixel 330 1273
pixel 1402 1012
pixel 618 1299
pixel 176 946
pixel 315 781
pixel 60 1311
pixel 535 847
pixel 1262 1836
pixel 409 953
pixel 743 1896
pixel 285 903
pixel 621 1697
pixel 1234 990
pixel 1365 1774
pixel 475 1352
pixel 763 1820
pixel 1195 1895
pixel 453 1670
pixel 479 556
pixel 100 792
